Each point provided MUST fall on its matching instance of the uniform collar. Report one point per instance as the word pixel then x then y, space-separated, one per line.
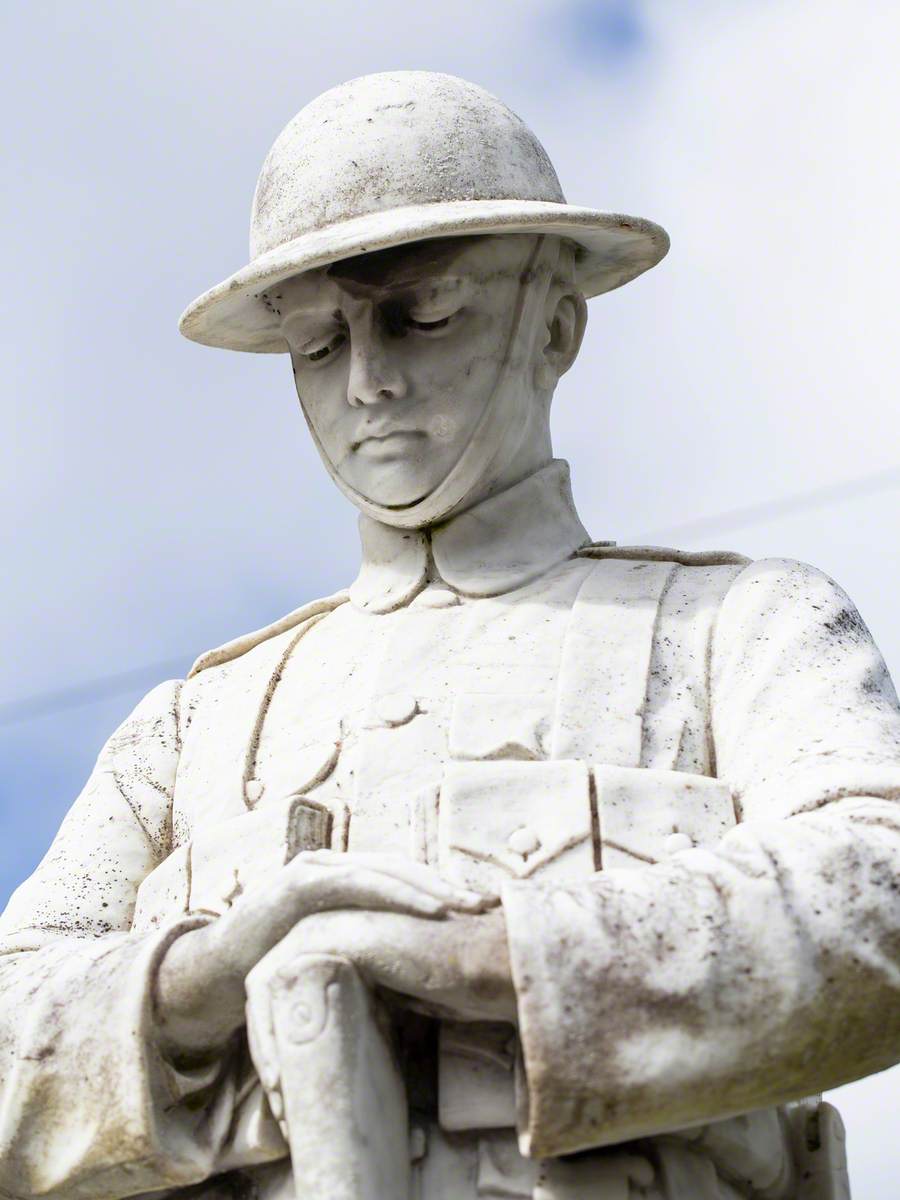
pixel 500 544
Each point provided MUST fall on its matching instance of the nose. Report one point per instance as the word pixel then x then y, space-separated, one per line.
pixel 375 376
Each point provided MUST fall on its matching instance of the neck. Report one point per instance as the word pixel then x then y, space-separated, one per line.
pixel 534 455
pixel 497 544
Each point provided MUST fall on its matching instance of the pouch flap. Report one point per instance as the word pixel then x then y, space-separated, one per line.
pixel 241 853
pixel 475 1076
pixel 646 816
pixel 611 1175
pixel 504 819
pixel 503 1172
pixel 754 1146
pixel 487 726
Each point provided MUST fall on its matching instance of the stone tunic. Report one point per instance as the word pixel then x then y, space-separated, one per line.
pixel 676 960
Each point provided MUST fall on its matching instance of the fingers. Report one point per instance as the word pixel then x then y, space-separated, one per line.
pixel 314 883
pixel 320 889
pixel 261 1032
pixel 261 918
pixel 416 875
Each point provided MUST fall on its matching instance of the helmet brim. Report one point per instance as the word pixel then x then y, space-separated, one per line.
pixel 612 250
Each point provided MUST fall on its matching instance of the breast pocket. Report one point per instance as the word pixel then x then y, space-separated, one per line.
pixel 302 766
pixel 498 725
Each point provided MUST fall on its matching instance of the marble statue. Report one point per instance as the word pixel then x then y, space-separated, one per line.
pixel 527 866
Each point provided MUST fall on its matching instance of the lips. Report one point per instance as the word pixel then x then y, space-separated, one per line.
pixel 386 439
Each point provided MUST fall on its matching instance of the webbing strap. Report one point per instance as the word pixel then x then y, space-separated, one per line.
pixel 606 661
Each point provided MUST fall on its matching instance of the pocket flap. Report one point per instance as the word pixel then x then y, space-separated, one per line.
pixel 317 759
pixel 646 816
pixel 501 820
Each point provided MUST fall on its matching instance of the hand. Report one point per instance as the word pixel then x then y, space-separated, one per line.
pixel 456 967
pixel 200 984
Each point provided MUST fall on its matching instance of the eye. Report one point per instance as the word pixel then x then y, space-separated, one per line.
pixel 430 326
pixel 319 353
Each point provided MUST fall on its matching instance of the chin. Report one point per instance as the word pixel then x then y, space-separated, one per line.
pixel 396 498
pixel 395 495
pixel 395 489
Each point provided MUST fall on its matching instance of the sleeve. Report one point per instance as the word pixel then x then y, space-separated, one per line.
pixel 89 1105
pixel 760 971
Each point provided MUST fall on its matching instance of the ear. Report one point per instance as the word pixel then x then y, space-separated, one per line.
pixel 565 327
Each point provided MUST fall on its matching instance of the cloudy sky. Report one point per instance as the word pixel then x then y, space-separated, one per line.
pixel 162 497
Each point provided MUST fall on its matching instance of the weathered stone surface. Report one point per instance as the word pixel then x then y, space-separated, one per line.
pixel 522 845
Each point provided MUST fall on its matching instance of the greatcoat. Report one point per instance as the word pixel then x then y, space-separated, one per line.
pixel 682 773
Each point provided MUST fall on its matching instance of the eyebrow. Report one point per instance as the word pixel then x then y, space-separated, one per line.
pixel 400 281
pixel 391 292
pixel 407 283
pixel 402 287
pixel 401 265
pixel 309 308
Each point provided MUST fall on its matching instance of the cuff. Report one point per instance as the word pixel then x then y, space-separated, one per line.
pixel 108 1101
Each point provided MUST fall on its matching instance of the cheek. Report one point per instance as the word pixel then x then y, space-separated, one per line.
pixel 444 426
pixel 322 397
pixel 457 384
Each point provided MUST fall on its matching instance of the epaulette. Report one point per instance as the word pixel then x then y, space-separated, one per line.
pixel 238 646
pixel 685 558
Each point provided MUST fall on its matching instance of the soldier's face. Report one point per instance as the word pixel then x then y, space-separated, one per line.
pixel 396 354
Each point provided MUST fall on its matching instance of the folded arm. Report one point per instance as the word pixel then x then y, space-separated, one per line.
pixel 123 1067
pixel 768 967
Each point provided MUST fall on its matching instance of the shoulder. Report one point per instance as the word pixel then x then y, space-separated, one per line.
pixel 777 585
pixel 770 580
pixel 747 590
pixel 781 607
pixel 153 720
pixel 241 645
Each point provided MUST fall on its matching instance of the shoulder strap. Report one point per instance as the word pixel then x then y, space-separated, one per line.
pixel 684 558
pixel 237 647
pixel 606 660
pixel 633 687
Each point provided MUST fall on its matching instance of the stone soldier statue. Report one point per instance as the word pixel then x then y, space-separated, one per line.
pixel 525 867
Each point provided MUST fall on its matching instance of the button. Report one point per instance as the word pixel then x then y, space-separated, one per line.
pixel 397 708
pixel 253 790
pixel 524 841
pixel 677 842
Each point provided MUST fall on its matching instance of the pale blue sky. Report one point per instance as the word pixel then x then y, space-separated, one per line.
pixel 162 497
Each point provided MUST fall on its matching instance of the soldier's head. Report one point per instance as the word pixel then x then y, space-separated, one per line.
pixel 397 354
pixel 412 250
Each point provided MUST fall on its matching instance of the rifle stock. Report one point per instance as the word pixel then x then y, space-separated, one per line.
pixel 339 1097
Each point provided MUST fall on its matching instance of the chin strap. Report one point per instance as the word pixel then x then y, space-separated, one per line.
pixel 490 445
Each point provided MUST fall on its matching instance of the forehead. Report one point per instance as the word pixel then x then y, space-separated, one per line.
pixel 401 269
